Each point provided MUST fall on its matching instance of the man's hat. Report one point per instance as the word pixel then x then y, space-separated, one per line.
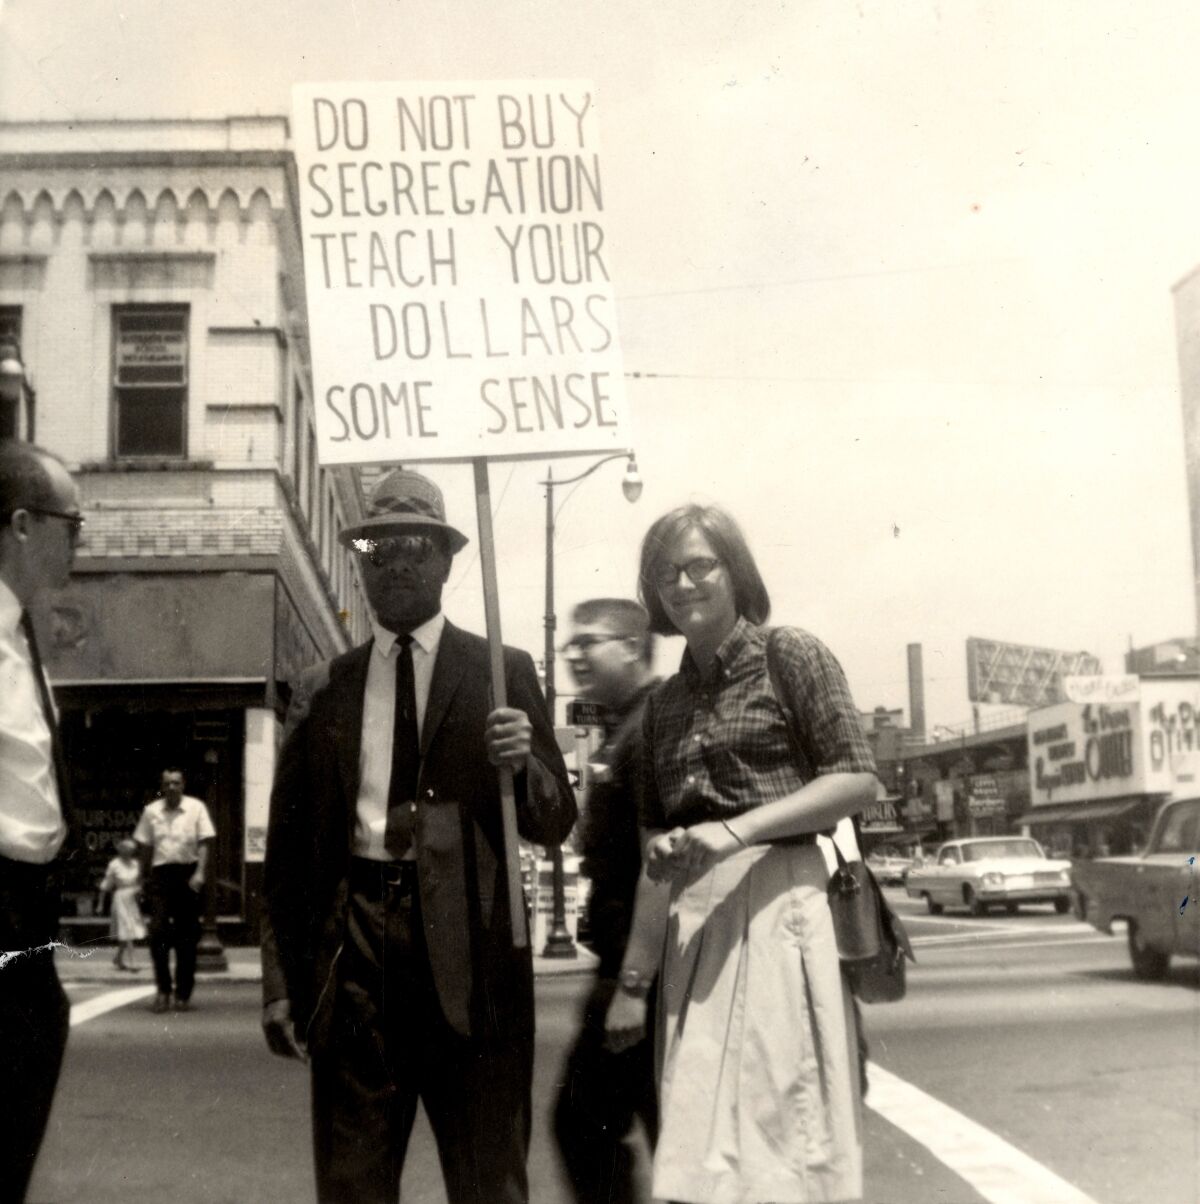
pixel 404 501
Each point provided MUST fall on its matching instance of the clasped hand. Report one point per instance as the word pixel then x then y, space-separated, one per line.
pixel 508 738
pixel 683 854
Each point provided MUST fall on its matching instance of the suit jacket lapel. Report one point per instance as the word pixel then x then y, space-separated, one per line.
pixel 447 673
pixel 347 686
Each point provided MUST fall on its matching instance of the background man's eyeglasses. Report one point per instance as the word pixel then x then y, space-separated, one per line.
pixel 583 644
pixel 415 549
pixel 696 571
pixel 74 521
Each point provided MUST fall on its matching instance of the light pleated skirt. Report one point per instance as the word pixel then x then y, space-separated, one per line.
pixel 757 1047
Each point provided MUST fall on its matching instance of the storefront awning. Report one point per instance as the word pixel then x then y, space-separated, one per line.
pixel 1080 812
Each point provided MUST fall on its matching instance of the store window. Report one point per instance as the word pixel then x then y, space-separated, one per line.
pixel 150 379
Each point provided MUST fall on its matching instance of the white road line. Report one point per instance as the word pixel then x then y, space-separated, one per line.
pixel 1096 938
pixel 1030 939
pixel 81 1013
pixel 999 1172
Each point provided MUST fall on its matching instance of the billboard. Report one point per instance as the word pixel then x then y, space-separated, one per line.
pixel 1021 674
pixel 458 271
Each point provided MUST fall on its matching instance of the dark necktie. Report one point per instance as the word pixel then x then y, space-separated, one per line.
pixel 406 756
pixel 56 751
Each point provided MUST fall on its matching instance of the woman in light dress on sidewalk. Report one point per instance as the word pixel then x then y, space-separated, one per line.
pixel 124 878
pixel 759 1085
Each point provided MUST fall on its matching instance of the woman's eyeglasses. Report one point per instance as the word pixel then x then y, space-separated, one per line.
pixel 582 644
pixel 414 549
pixel 696 571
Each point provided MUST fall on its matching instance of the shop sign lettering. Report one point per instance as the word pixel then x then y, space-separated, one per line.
pixel 1102 752
pixel 1172 730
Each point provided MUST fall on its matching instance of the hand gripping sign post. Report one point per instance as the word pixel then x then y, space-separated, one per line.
pixel 459 293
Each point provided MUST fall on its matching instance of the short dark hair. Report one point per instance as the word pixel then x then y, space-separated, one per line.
pixel 750 596
pixel 626 617
pixel 172 769
pixel 24 481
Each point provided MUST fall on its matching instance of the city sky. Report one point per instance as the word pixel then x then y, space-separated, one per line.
pixel 897 279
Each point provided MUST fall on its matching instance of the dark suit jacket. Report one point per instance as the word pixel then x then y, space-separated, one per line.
pixel 485 985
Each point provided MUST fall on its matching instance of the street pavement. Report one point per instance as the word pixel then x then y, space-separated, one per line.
pixel 1026 1066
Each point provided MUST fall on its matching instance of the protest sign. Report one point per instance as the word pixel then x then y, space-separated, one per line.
pixel 458 273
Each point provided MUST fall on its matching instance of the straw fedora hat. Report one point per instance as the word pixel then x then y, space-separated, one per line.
pixel 404 501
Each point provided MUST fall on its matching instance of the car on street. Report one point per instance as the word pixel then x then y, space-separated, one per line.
pixel 1154 892
pixel 983 872
pixel 888 866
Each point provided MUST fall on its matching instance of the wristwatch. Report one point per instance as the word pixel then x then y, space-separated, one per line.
pixel 635 983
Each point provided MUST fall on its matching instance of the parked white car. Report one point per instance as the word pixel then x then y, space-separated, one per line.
pixel 991 871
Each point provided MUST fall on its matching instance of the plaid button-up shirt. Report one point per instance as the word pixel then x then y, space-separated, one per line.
pixel 719 745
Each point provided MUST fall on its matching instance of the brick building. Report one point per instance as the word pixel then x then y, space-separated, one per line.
pixel 150 273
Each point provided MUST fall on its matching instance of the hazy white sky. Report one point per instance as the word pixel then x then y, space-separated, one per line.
pixel 906 270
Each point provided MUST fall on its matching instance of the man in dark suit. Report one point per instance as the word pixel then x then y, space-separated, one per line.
pixel 391 960
pixel 40 526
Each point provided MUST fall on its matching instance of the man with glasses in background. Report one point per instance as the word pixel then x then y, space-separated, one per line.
pixel 390 959
pixel 609 1081
pixel 40 527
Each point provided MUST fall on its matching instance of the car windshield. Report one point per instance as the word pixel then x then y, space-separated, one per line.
pixel 986 850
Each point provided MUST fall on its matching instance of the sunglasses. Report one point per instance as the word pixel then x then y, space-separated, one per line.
pixel 665 575
pixel 74 521
pixel 582 644
pixel 413 549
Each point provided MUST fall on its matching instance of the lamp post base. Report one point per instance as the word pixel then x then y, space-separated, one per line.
pixel 559 944
pixel 210 953
pixel 558 940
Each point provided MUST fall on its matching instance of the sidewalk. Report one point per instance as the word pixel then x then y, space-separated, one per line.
pixel 93 963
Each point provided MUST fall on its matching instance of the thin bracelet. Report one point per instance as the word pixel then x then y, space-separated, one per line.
pixel 725 825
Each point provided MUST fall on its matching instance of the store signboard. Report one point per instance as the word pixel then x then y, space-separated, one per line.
pixel 984 797
pixel 880 818
pixel 1084 751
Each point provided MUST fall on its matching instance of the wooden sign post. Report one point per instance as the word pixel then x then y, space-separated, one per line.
pixel 491 607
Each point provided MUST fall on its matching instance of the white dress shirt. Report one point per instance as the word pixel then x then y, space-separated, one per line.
pixel 31 820
pixel 379 711
pixel 174 835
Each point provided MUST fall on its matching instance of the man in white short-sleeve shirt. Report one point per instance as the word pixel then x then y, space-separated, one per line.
pixel 174 833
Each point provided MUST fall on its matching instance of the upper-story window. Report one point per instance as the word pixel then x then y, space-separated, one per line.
pixel 10 324
pixel 150 380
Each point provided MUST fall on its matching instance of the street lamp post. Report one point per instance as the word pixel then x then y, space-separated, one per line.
pixel 558 939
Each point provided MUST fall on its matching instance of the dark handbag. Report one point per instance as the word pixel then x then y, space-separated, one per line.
pixel 871 940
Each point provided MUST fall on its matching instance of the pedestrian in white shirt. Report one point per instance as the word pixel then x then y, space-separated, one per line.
pixel 40 526
pixel 174 833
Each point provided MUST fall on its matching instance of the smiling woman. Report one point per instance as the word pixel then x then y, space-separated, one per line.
pixel 731 805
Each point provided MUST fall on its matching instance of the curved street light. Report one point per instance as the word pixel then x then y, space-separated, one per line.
pixel 558 939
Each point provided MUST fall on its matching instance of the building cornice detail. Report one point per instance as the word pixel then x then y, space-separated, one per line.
pixel 122 191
